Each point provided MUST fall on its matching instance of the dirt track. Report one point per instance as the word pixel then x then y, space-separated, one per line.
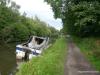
pixel 76 63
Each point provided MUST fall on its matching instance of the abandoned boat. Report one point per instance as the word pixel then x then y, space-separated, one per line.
pixel 32 48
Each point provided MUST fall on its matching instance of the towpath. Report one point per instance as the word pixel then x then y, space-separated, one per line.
pixel 76 63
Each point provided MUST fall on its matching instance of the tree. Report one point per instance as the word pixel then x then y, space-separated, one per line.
pixel 80 17
pixel 15 27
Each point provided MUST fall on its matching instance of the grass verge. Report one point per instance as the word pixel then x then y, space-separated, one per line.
pixel 91 48
pixel 50 63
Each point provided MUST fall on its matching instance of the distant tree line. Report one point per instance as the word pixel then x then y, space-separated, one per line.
pixel 15 27
pixel 80 17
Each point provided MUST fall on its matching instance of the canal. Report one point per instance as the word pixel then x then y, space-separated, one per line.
pixel 7 59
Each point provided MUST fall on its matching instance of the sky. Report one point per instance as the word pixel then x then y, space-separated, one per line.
pixel 40 9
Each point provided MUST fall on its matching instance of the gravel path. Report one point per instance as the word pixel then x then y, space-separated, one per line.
pixel 76 63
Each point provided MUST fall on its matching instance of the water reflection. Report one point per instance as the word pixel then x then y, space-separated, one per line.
pixel 7 59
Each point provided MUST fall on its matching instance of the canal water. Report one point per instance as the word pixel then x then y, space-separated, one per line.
pixel 7 59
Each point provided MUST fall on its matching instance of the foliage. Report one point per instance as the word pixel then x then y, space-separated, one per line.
pixel 91 48
pixel 50 63
pixel 54 34
pixel 80 17
pixel 15 27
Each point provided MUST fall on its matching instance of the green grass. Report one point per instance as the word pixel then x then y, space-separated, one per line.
pixel 50 63
pixel 91 48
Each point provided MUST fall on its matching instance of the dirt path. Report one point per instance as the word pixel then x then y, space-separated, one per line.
pixel 76 63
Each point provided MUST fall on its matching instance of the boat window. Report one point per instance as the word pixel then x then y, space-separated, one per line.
pixel 39 40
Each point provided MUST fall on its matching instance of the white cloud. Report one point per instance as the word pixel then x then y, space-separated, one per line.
pixel 41 9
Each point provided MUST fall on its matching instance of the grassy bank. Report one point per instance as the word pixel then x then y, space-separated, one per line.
pixel 91 48
pixel 50 63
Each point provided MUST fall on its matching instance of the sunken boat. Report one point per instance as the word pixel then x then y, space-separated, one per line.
pixel 32 48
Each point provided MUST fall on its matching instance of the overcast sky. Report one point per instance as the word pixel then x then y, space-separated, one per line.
pixel 40 9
